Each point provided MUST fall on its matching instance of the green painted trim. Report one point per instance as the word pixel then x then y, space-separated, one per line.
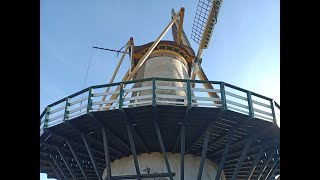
pixel 250 105
pixel 121 96
pixel 154 97
pixel 273 112
pixel 66 109
pixel 89 105
pixel 47 117
pixel 223 96
pixel 189 93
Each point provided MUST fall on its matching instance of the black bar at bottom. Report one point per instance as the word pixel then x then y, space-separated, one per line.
pixel 144 176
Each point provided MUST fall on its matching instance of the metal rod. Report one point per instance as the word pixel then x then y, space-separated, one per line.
pixel 207 127
pixel 243 154
pixel 157 128
pixel 106 151
pixel 94 163
pixel 133 148
pixel 274 164
pixel 223 159
pixel 254 165
pixel 204 153
pixel 265 164
pixel 107 49
pixel 77 159
pixel 117 68
pixel 273 170
pixel 182 143
pixel 67 164
pixel 112 133
pixel 59 167
pixel 55 171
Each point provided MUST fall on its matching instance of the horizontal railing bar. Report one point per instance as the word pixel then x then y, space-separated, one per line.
pixel 172 102
pixel 237 109
pixel 171 88
pixel 79 100
pixel 205 90
pixel 56 117
pixel 105 93
pixel 142 102
pixel 105 102
pixel 237 104
pixel 207 104
pixel 205 98
pixel 261 104
pixel 138 89
pixel 74 115
pixel 170 96
pixel 262 112
pixel 58 109
pixel 235 87
pixel 236 96
pixel 260 96
pixel 257 115
pixel 71 96
pixel 104 107
pixel 78 108
pixel 137 97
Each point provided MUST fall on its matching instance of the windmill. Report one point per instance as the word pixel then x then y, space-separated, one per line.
pixel 154 123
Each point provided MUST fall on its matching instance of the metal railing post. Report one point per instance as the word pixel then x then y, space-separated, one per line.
pixel 66 109
pixel 250 105
pixel 273 112
pixel 121 97
pixel 189 93
pixel 223 96
pixel 47 117
pixel 154 102
pixel 89 105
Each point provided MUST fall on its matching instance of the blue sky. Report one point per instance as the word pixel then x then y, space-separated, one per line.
pixel 244 49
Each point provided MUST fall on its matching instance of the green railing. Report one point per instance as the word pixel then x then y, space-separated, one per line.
pixel 160 91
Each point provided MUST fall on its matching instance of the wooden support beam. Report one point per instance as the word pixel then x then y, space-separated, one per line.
pixel 180 26
pixel 117 68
